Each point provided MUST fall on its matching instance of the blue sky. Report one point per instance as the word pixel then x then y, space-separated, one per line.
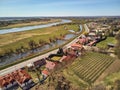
pixel 59 8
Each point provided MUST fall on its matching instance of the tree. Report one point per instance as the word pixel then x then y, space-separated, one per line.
pixel 117 50
pixel 32 44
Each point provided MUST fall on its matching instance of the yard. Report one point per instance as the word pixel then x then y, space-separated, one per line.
pixel 103 44
pixel 55 58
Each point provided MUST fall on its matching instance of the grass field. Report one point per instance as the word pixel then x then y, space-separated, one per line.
pixel 18 39
pixel 90 66
pixel 103 44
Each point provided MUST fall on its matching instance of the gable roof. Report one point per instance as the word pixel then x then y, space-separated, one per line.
pixel 76 45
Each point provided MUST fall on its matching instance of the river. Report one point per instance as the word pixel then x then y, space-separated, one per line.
pixel 14 57
pixel 11 30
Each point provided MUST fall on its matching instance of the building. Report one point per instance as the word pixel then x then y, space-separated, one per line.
pixel 39 63
pixel 7 82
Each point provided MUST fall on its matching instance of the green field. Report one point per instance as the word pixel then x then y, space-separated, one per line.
pixel 18 39
pixel 90 67
pixel 103 44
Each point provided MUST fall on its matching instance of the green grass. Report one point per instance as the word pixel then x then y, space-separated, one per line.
pixel 74 79
pixel 103 44
pixel 110 79
pixel 91 66
pixel 56 58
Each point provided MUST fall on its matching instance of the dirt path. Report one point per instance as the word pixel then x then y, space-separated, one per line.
pixel 114 67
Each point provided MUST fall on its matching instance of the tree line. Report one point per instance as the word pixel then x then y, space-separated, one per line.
pixel 6 23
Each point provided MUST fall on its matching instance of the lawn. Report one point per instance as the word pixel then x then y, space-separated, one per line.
pixel 56 58
pixel 90 66
pixel 103 44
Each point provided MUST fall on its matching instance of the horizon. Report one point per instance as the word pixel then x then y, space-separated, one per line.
pixel 58 16
pixel 53 8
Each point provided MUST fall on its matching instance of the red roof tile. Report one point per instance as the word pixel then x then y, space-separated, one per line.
pixel 45 72
pixel 76 45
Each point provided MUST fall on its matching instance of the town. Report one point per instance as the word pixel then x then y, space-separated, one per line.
pixel 82 63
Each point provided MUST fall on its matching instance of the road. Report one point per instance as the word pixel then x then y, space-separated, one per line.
pixel 86 28
pixel 23 64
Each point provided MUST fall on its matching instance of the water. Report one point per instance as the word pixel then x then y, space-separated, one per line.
pixel 72 31
pixel 9 59
pixel 69 36
pixel 81 28
pixel 11 30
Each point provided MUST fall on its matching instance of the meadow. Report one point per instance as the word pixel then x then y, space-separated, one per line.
pixel 13 41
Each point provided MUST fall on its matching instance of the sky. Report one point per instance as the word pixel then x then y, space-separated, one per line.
pixel 19 8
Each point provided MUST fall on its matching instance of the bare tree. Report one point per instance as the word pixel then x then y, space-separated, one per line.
pixel 118 45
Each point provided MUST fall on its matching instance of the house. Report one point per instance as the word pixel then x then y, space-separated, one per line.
pixel 68 58
pixel 110 45
pixel 50 65
pixel 63 57
pixel 45 72
pixel 76 46
pixel 91 43
pixel 7 82
pixel 83 40
pixel 23 79
pixel 92 34
pixel 39 63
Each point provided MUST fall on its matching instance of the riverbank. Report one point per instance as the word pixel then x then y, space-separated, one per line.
pixel 31 23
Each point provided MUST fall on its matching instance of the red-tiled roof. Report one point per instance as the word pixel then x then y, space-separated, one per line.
pixel 91 43
pixel 76 45
pixel 50 65
pixel 45 72
pixel 21 75
pixel 69 57
pixel 7 79
pixel 63 57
